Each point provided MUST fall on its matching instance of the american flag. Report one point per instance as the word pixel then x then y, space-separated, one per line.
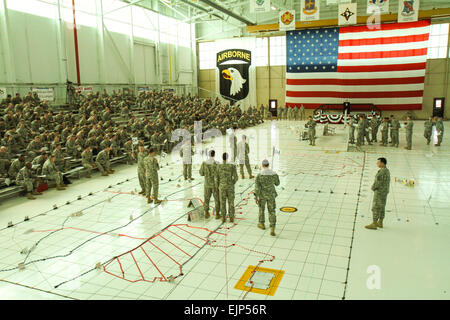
pixel 384 66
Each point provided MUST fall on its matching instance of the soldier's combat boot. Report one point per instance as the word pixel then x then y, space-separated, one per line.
pixel 261 226
pixel 232 219
pixel 272 231
pixel 104 174
pixel 251 177
pixel 88 176
pixel 380 223
pixel 30 196
pixel 428 141
pixel 59 187
pixel 36 193
pixel 224 218
pixel 218 216
pixel 157 201
pixel 207 215
pixel 149 200
pixel 242 177
pixel 111 171
pixel 141 192
pixel 372 226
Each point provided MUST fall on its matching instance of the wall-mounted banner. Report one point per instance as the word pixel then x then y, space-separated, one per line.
pixel 45 93
pixel 235 72
pixel 259 6
pixel 287 20
pixel 408 10
pixel 373 5
pixel 309 10
pixel 3 93
pixel 84 90
pixel 347 14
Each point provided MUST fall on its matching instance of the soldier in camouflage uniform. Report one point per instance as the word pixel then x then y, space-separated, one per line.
pixel 366 129
pixel 440 130
pixel 428 129
pixel 380 188
pixel 265 193
pixel 142 154
pixel 243 151
pixel 52 173
pixel 226 179
pixel 384 132
pixel 374 124
pixel 208 169
pixel 15 167
pixel 5 160
pixel 409 132
pixel 302 112
pixel 351 130
pixel 395 125
pixel 151 177
pixel 311 125
pixel 27 179
pixel 102 161
pixel 360 132
pixel 186 153
pixel 87 161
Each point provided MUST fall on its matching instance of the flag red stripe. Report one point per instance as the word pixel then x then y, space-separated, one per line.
pixel 385 27
pixel 355 95
pixel 383 54
pixel 382 107
pixel 383 68
pixel 355 82
pixel 385 40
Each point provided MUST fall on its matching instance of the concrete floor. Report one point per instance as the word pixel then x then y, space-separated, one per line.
pixel 323 247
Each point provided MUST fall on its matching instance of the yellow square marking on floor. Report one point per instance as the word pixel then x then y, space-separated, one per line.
pixel 272 288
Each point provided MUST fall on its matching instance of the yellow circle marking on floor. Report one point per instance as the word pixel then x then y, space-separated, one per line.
pixel 288 209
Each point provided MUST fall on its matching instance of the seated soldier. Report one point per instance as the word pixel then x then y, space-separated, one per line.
pixel 102 162
pixel 15 167
pixel 52 173
pixel 87 160
pixel 26 178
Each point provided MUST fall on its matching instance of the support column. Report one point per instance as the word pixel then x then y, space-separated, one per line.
pixel 6 43
pixel 75 37
pixel 100 44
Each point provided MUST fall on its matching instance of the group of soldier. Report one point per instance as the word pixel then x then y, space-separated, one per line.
pixel 219 179
pixel 41 143
pixel 368 130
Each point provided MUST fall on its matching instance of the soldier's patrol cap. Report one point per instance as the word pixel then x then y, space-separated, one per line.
pixel 265 162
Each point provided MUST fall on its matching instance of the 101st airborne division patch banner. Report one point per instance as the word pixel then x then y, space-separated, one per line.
pixel 259 6
pixel 309 10
pixel 235 71
pixel 408 10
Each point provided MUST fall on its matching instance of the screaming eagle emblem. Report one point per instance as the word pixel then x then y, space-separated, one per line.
pixel 233 65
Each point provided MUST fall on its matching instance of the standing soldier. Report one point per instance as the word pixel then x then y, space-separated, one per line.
pixel 360 133
pixel 439 129
pixel 226 179
pixel 186 153
pixel 302 112
pixel 351 130
pixel 243 151
pixel 384 132
pixel 428 129
pixel 208 169
pixel 102 161
pixel 87 161
pixel 374 124
pixel 380 188
pixel 265 193
pixel 52 173
pixel 366 129
pixel 151 177
pixel 141 167
pixel 27 179
pixel 409 131
pixel 395 125
pixel 296 113
pixel 311 125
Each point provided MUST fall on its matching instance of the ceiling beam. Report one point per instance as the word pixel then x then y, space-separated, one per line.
pixel 228 12
pixel 423 14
